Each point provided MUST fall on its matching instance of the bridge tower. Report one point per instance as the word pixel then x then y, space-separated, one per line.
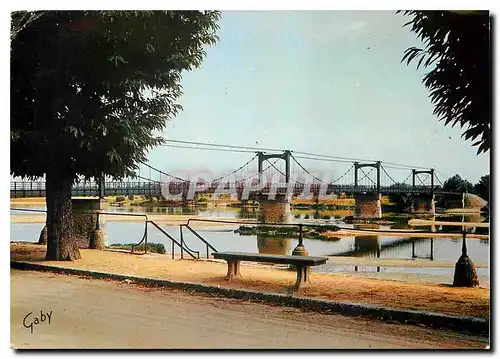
pixel 367 198
pixel 275 209
pixel 423 196
pixel 284 156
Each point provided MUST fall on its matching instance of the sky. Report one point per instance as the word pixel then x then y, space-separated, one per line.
pixel 328 82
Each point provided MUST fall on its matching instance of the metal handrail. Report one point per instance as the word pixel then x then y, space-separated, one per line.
pixel 208 245
pixel 180 245
pixel 144 237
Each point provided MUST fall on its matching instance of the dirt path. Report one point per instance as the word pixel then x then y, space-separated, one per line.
pixel 330 286
pixel 103 314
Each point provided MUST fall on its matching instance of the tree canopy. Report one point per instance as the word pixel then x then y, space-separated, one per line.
pixel 89 90
pixel 456 183
pixel 457 46
pixel 482 188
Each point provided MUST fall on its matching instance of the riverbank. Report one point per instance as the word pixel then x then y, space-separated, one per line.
pixel 440 298
pixel 399 233
pixel 171 219
pixel 422 222
pixel 182 219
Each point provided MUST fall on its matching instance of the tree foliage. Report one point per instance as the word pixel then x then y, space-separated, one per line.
pixel 457 184
pixel 89 90
pixel 457 46
pixel 400 199
pixel 482 188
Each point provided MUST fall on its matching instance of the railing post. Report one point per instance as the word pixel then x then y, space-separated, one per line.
pixel 182 242
pixel 432 249
pixel 146 238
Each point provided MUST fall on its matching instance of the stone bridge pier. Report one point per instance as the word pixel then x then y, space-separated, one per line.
pixel 423 203
pixel 274 210
pixel 367 205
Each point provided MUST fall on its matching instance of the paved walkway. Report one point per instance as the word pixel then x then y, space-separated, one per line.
pixel 100 314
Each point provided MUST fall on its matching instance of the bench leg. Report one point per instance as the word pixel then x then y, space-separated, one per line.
pixel 302 277
pixel 233 270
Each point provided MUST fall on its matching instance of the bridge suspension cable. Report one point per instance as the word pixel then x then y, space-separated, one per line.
pixel 322 159
pixel 400 165
pixel 423 182
pixel 167 174
pixel 208 149
pixel 306 171
pixel 236 170
pixel 147 179
pixel 256 174
pixel 329 156
pixel 277 169
pixel 437 178
pixel 407 177
pixel 238 148
pixel 366 176
pixel 346 172
pixel 220 145
pixel 388 175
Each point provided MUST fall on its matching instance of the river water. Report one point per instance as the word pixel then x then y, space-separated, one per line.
pixel 223 238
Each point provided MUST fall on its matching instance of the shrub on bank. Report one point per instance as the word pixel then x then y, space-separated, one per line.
pixel 152 247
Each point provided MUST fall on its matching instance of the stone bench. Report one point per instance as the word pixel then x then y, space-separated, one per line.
pixel 302 264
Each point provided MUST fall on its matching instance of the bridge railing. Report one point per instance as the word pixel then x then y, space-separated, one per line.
pixel 117 188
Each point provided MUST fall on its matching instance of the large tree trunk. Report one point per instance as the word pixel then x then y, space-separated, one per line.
pixel 61 245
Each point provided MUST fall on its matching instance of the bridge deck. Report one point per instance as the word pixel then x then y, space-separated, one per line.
pixel 37 189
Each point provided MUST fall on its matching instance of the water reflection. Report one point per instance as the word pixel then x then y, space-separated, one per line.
pixel 273 245
pixel 247 213
pixel 367 245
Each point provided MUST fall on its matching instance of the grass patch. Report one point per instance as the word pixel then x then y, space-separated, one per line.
pixel 313 232
pixel 152 247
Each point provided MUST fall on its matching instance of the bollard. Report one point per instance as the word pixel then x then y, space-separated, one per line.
pixel 465 271
pixel 97 238
pixel 300 250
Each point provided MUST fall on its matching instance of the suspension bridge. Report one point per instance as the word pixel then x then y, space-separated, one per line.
pixel 269 171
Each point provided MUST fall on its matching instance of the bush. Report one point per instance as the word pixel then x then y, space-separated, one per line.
pixel 120 199
pixel 152 247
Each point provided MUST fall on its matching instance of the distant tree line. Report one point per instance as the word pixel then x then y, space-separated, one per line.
pixel 454 183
